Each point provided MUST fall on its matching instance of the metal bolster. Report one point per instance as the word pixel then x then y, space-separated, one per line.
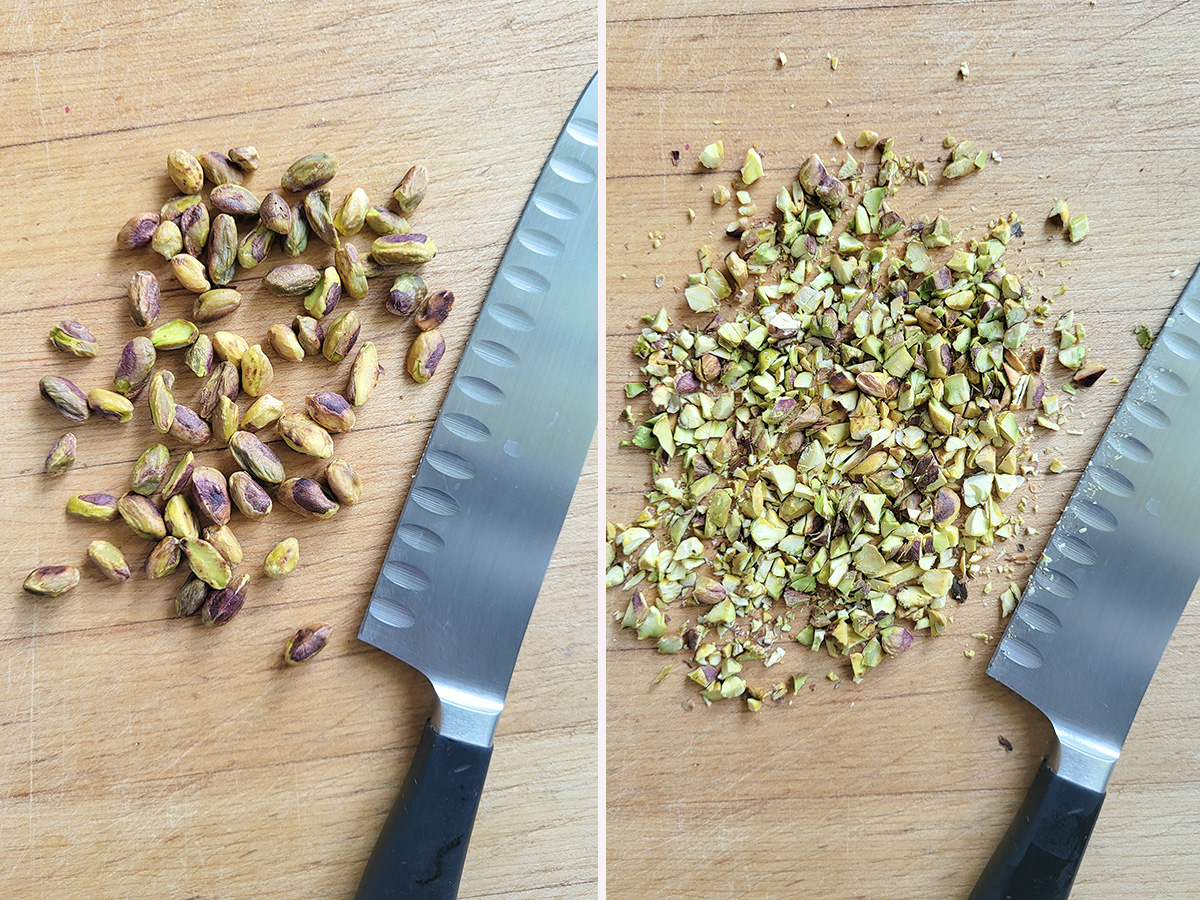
pixel 1081 760
pixel 465 716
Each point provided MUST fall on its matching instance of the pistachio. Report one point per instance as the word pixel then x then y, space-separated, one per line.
pixel 305 497
pixel 51 581
pixel 179 518
pixel 223 382
pixel 194 225
pixel 173 208
pixel 164 558
pixel 282 559
pixel 352 213
pixel 167 240
pixel 199 356
pixel 109 405
pixel 1088 375
pixel 373 269
pixel 433 312
pixel 331 411
pixel 411 190
pixel 142 516
pixel 245 158
pixel 175 335
pixel 284 342
pixel 343 481
pixel 210 494
pixel 382 220
pixel 162 401
pixel 189 272
pixel 74 338
pixel 296 241
pixel 306 643
pixel 191 597
pixel 65 397
pixel 180 480
pixel 426 352
pixel 292 279
pixel 364 374
pixel 402 249
pixel 189 428
pixel 230 347
pixel 223 538
pixel 234 199
pixel 407 295
pixel 350 271
pixel 257 372
pixel 304 435
pixel 109 560
pixel 207 563
pixel 255 246
pixel 320 217
pixel 225 419
pixel 216 303
pixel 309 333
pixel 61 456
pixel 184 169
pixel 251 500
pixel 138 231
pixel 324 296
pixel 256 457
pixel 222 605
pixel 340 337
pixel 145 298
pixel 308 172
pixel 93 507
pixel 263 412
pixel 150 469
pixel 219 169
pixel 712 155
pixel 135 367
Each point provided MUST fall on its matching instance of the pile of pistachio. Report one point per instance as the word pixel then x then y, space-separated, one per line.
pixel 189 522
pixel 834 450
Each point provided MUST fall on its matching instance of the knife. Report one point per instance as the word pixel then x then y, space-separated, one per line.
pixel 485 508
pixel 1100 607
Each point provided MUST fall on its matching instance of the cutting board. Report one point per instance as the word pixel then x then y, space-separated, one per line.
pixel 898 787
pixel 143 756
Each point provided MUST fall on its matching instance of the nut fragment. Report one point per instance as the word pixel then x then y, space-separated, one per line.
pixel 174 208
pixel 234 199
pixel 340 337
pixel 223 538
pixel 135 367
pixel 150 469
pixel 145 298
pixel 308 172
pixel 109 405
pixel 184 169
pixel 306 643
pixel 426 352
pixel 350 270
pixel 324 297
pixel 109 560
pixel 257 372
pixel 320 217
pixel 65 397
pixel 167 240
pixel 142 516
pixel 206 562
pixel 51 581
pixel 162 401
pixel 74 338
pixel 222 605
pixel 174 335
pixel 285 343
pixel 180 479
pixel 275 213
pixel 352 213
pixel 309 333
pixel 138 231
pixel 364 374
pixel 199 356
pixel 282 559
pixel 244 157
pixel 343 481
pixel 296 241
pixel 216 303
pixel 191 597
pixel 331 411
pixel 251 500
pixel 164 558
pixel 407 295
pixel 263 412
pixel 256 457
pixel 219 169
pixel 304 435
pixel 210 494
pixel 305 497
pixel 93 507
pixel 403 249
pixel 225 419
pixel 189 427
pixel 61 456
pixel 255 246
pixel 433 312
pixel 179 518
pixel 190 273
pixel 292 279
pixel 224 382
pixel 411 190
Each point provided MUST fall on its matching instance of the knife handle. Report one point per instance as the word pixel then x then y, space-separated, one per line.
pixel 1040 853
pixel 420 852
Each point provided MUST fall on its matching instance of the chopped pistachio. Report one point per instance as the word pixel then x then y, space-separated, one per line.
pixel 711 156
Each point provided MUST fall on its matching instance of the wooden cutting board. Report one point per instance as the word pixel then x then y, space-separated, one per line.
pixel 898 787
pixel 142 756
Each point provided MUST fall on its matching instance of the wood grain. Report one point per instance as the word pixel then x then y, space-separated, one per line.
pixel 142 756
pixel 898 787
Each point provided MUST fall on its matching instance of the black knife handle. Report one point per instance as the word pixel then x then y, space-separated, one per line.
pixel 420 852
pixel 1041 851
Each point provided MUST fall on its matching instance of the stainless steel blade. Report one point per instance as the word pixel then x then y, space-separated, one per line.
pixel 1120 565
pixel 489 497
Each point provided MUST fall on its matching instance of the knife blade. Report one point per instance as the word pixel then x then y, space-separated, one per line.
pixel 485 508
pixel 1100 607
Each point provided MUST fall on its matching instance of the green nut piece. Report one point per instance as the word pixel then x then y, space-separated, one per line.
pixel 109 405
pixel 194 225
pixel 263 412
pixel 322 299
pixel 282 559
pixel 191 597
pixel 343 481
pixel 407 295
pixel 210 494
pixel 150 469
pixel 403 249
pixel 189 272
pixel 306 643
pixel 167 240
pixel 340 337
pixel 320 217
pixel 222 249
pixel 222 605
pixel 285 343
pixel 189 428
pixel 206 562
pixel 426 352
pixel 255 246
pixel 309 333
pixel 306 498
pixel 224 382
pixel 173 208
pixel 296 241
pixel 109 559
pixel 74 338
pixel 245 158
pixel 304 435
pixel 216 303
pixel 364 374
pixel 248 496
pixel 51 581
pixel 164 558
pixel 65 397
pixel 234 199
pixel 145 298
pixel 180 479
pixel 230 347
pixel 179 518
pixel 175 335
pixel 93 507
pixel 219 169
pixel 184 169
pixel 350 270
pixel 352 213
pixel 411 190
pixel 142 516
pixel 138 231
pixel 61 456
pixel 309 172
pixel 256 457
pixel 162 401
pixel 292 279
pixel 257 372
pixel 331 411
pixel 275 213
pixel 434 311
pixel 382 220
pixel 222 537
pixel 224 420
pixel 135 367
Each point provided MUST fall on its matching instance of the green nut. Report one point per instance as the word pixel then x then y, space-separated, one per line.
pixel 175 335
pixel 222 537
pixel 180 479
pixel 248 496
pixel 206 562
pixel 275 213
pixel 403 249
pixel 191 597
pixel 306 498
pixel 215 304
pixel 184 169
pixel 407 295
pixel 309 333
pixel 331 411
pixel 189 428
pixel 224 382
pixel 222 249
pixel 308 172
pixel 210 494
pixel 222 605
pixel 322 299
pixel 194 226
pixel 167 240
pixel 64 396
pixel 285 343
pixel 411 190
pixel 61 456
pixel 304 435
pixel 164 558
pixel 145 298
pixel 93 507
pixel 320 217
pixel 150 469
pixel 255 246
pixel 256 457
pixel 234 199
pixel 426 352
pixel 364 374
pixel 162 401
pixel 189 272
pixel 173 208
pixel 109 405
pixel 296 241
pixel 350 270
pixel 343 481
pixel 74 338
pixel 292 279
pixel 142 516
pixel 282 559
pixel 224 420
pixel 244 158
pixel 257 372
pixel 51 581
pixel 179 518
pixel 382 220
pixel 135 367
pixel 219 169
pixel 138 231
pixel 109 559
pixel 352 213
pixel 263 412
pixel 340 337
pixel 229 346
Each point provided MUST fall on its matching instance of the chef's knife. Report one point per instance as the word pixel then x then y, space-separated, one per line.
pixel 1100 607
pixel 485 509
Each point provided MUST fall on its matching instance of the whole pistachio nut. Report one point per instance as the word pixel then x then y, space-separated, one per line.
pixel 407 295
pixel 256 457
pixel 255 246
pixel 350 270
pixel 184 169
pixel 304 435
pixel 244 157
pixel 309 333
pixel 74 338
pixel 224 420
pixel 93 507
pixel 219 169
pixel 411 190
pixel 230 347
pixel 308 172
pixel 51 581
pixel 175 335
pixel 65 397
pixel 206 562
pixel 263 412
pixel 61 456
pixel 331 411
pixel 109 560
pixel 145 298
pixel 180 480
pixel 150 469
pixel 282 559
pixel 223 538
pixel 275 213
pixel 195 226
pixel 292 279
pixel 142 516
pixel 306 498
pixel 320 217
pixel 352 213
pixel 343 481
pixel 324 296
pixel 306 643
pixel 222 249
pixel 199 356
pixel 189 428
pixel 296 241
pixel 210 494
pixel 162 402
pixel 364 374
pixel 284 342
pixel 179 518
pixel 110 406
pixel 235 200
pixel 167 240
pixel 222 605
pixel 164 558
pixel 433 312
pixel 135 366
pixel 191 597
pixel 189 272
pixel 257 372
pixel 248 496
pixel 224 382
pixel 138 231
pixel 215 304
pixel 403 249
pixel 382 220
pixel 173 208
pixel 426 352
pixel 340 336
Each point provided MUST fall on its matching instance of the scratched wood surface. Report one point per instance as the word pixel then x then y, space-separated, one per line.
pixel 143 756
pixel 898 787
